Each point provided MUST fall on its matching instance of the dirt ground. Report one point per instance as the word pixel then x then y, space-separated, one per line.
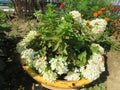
pixel 113 66
pixel 15 78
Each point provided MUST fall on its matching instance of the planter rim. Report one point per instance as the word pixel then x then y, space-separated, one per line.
pixel 59 84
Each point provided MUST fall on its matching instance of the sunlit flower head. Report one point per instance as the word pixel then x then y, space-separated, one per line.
pixel 98 25
pixel 50 76
pixel 59 64
pixel 76 16
pixel 72 76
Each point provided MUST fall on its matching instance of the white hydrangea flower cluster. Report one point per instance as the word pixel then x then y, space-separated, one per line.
pixel 76 16
pixel 50 76
pixel 73 75
pixel 29 37
pixel 98 25
pixel 28 55
pixel 94 67
pixel 98 60
pixel 40 64
pixel 59 64
pixel 101 49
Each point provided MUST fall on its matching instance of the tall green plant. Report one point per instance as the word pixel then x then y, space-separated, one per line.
pixel 60 37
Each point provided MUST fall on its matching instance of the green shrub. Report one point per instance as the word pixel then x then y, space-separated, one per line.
pixel 86 7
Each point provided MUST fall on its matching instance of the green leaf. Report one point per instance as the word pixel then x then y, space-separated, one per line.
pixel 49 44
pixel 94 49
pixel 56 46
pixel 43 51
pixel 50 36
pixel 63 48
pixel 82 57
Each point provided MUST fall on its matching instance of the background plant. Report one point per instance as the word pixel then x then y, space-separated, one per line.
pixel 3 27
pixel 2 18
pixel 87 8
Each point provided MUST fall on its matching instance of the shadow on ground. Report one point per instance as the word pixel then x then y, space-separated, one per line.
pixel 12 76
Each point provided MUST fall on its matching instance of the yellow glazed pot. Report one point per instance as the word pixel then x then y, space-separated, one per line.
pixel 58 84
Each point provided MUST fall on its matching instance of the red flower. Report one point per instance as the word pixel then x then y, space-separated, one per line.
pixel 62 6
pixel 111 9
pixel 117 8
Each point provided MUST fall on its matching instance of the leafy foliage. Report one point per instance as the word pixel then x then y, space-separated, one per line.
pixel 61 37
pixel 3 27
pixel 2 17
pixel 86 7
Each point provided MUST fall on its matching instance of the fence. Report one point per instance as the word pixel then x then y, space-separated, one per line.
pixel 26 7
pixel 116 3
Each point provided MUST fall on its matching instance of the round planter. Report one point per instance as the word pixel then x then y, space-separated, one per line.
pixel 58 84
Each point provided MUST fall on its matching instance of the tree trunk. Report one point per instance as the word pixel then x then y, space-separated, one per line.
pixel 18 5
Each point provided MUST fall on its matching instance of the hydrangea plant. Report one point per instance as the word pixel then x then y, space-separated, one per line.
pixel 64 47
